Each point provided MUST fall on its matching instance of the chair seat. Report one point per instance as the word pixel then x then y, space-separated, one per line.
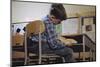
pixel 18 48
pixel 49 55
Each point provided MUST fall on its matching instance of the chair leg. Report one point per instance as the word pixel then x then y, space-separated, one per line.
pixel 40 49
pixel 63 59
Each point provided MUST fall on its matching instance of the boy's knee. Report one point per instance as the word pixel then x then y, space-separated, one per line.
pixel 69 51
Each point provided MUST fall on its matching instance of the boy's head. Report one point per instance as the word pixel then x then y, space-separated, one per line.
pixel 58 12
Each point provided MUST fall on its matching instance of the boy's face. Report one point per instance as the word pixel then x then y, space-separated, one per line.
pixel 55 20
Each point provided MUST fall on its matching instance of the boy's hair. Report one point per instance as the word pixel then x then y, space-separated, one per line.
pixel 18 30
pixel 58 11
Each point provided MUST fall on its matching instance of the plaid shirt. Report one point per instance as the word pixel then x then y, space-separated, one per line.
pixel 50 35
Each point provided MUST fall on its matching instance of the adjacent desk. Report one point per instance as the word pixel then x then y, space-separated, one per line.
pixel 80 46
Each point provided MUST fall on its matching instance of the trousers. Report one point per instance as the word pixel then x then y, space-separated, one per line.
pixel 65 52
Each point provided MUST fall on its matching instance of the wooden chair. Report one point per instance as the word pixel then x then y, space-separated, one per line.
pixel 18 54
pixel 17 40
pixel 36 28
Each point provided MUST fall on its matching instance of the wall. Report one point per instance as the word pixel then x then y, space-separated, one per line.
pixel 28 11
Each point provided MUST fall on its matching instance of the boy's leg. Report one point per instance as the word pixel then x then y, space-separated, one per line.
pixel 67 53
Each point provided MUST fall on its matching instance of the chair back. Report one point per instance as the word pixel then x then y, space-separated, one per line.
pixel 17 40
pixel 35 27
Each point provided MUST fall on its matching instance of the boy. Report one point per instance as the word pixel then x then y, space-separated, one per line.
pixel 56 15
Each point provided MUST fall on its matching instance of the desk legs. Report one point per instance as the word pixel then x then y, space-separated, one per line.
pixel 83 48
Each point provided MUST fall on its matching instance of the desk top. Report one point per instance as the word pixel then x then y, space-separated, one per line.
pixel 77 37
pixel 72 35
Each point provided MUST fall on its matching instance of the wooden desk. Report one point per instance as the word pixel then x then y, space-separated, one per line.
pixel 80 45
